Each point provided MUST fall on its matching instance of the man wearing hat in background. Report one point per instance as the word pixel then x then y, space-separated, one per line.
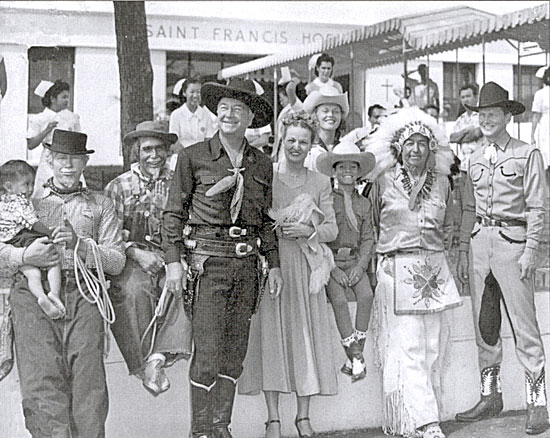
pixel 221 191
pixel 503 217
pixel 60 362
pixel 139 196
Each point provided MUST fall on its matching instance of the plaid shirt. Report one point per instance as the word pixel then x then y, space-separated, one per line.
pixel 131 195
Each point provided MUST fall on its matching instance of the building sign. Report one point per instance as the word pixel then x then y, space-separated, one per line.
pixel 226 31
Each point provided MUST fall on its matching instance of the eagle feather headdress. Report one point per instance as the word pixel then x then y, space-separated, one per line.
pixel 386 143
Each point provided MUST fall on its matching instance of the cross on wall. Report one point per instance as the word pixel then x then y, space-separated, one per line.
pixel 387 86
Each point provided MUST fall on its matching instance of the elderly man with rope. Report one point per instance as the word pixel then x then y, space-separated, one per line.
pixel 149 334
pixel 60 362
pixel 221 191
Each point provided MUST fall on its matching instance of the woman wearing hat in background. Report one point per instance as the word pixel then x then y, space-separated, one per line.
pixel 409 200
pixel 289 348
pixel 55 98
pixel 323 67
pixel 329 108
pixel 541 117
pixel 352 249
pixel 191 122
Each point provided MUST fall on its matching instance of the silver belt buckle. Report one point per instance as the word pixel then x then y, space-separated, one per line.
pixel 237 232
pixel 242 248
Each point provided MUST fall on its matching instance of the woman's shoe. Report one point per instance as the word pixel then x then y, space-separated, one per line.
pixel 298 429
pixel 269 423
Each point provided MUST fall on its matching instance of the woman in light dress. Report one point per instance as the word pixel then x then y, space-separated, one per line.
pixel 541 119
pixel 290 343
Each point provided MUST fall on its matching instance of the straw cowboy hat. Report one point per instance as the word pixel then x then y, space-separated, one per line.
pixel 345 151
pixel 69 142
pixel 153 129
pixel 493 95
pixel 327 94
pixel 243 90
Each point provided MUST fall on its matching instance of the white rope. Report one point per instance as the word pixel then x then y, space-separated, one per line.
pixel 160 311
pixel 97 287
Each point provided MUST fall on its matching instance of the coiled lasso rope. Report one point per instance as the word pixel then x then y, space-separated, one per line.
pixel 97 286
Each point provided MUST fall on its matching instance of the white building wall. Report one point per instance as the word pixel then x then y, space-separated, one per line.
pixel 97 102
pixel 158 62
pixel 13 126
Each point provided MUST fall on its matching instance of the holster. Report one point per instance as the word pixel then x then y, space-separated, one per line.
pixel 194 271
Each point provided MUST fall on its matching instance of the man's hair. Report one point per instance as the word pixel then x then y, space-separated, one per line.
pixel 472 87
pixel 55 90
pixel 374 107
pixel 12 170
pixel 546 77
pixel 325 57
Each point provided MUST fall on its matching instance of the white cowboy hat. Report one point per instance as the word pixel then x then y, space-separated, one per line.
pixel 327 94
pixel 345 151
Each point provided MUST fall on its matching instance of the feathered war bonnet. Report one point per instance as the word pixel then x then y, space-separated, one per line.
pixel 387 142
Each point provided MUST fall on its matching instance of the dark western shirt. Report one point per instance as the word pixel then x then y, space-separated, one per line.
pixel 199 167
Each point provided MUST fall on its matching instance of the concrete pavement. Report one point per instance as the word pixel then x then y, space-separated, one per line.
pixel 507 425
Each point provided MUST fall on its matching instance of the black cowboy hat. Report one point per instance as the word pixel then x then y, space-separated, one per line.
pixel 242 90
pixel 69 142
pixel 151 128
pixel 492 95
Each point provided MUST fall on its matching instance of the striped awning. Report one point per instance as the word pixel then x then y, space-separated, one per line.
pixel 420 34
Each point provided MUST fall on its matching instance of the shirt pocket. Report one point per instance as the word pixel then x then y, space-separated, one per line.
pixel 512 172
pixel 478 173
pixel 438 208
pixel 259 187
pixel 206 182
pixel 84 225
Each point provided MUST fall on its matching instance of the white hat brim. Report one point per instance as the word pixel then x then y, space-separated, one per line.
pixel 326 161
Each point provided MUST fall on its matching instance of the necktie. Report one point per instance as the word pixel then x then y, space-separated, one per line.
pixel 490 153
pixel 228 182
pixel 348 208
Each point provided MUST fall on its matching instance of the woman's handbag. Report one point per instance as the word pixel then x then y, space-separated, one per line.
pixel 6 335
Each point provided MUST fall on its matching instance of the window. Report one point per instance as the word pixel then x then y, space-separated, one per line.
pixel 455 75
pixel 529 86
pixel 49 64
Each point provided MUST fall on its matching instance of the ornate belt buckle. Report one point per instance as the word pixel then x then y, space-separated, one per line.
pixel 242 248
pixel 236 232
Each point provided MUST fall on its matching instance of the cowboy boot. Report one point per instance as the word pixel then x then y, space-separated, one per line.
pixel 223 396
pixel 347 343
pixel 490 403
pixel 359 369
pixel 537 414
pixel 201 411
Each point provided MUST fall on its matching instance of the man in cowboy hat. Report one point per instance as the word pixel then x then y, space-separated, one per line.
pixel 60 362
pixel 139 196
pixel 504 205
pixel 221 191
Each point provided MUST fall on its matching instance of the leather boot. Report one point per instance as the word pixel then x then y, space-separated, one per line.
pixel 223 396
pixel 201 411
pixel 537 414
pixel 490 403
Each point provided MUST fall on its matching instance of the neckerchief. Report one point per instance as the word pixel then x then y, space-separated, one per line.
pixel 227 182
pixel 348 209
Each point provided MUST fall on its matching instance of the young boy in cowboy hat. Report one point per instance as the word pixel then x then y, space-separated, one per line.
pixel 60 362
pixel 505 200
pixel 222 191
pixel 352 249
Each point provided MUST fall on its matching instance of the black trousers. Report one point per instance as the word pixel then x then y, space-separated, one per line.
pixel 221 317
